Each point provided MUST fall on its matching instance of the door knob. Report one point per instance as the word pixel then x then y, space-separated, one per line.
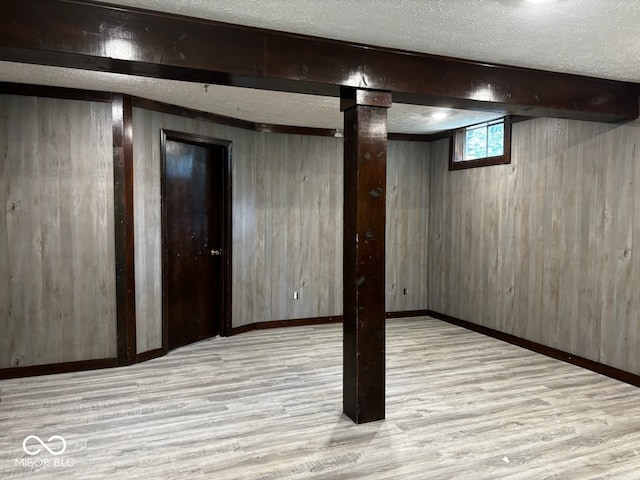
pixel 216 253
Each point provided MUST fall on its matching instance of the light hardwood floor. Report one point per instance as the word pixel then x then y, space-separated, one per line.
pixel 267 405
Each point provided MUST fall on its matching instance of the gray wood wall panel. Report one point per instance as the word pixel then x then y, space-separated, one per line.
pixel 407 231
pixel 303 202
pixel 148 255
pixel 57 287
pixel 57 235
pixel 287 223
pixel 543 248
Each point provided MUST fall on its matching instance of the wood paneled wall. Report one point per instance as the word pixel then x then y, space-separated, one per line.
pixel 301 191
pixel 287 223
pixel 148 255
pixel 544 248
pixel 407 231
pixel 57 288
pixel 287 217
pixel 57 274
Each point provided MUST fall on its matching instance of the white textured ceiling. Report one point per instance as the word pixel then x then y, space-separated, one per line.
pixel 244 103
pixel 591 37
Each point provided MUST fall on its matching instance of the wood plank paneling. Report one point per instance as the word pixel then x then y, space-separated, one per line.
pixel 287 219
pixel 543 248
pixel 407 232
pixel 57 287
pixel 249 290
pixel 439 231
pixel 281 227
pixel 303 199
pixel 287 223
pixel 148 254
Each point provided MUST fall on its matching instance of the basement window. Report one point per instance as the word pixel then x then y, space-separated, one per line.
pixel 481 145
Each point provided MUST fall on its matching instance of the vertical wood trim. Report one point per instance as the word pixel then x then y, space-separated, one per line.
pixel 122 113
pixel 163 241
pixel 227 239
pixel 365 162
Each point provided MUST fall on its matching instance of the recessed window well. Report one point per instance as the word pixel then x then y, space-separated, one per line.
pixel 481 145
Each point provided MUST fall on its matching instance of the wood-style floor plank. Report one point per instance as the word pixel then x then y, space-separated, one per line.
pixel 267 405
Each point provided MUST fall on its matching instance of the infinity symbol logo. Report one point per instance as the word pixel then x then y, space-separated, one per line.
pixel 37 450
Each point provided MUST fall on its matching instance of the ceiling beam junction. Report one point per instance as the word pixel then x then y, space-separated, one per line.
pixel 100 37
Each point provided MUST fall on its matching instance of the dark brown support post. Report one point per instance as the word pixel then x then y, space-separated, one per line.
pixel 122 113
pixel 365 171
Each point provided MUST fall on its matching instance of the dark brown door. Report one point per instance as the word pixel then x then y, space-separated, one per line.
pixel 193 223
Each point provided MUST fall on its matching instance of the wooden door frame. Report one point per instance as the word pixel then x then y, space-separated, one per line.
pixel 226 321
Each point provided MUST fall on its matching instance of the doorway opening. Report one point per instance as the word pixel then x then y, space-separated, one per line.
pixel 196 238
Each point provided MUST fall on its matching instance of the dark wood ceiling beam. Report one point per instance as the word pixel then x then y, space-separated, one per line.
pixel 100 37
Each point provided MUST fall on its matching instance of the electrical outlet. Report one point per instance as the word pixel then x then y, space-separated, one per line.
pixel 295 295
